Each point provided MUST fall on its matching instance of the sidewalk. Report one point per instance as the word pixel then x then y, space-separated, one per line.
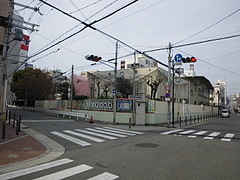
pixel 26 149
pixel 15 148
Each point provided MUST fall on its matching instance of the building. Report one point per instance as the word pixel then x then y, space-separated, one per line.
pixel 220 94
pixel 141 61
pixel 6 11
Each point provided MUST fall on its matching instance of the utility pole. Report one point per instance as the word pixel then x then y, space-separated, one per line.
pixel 173 91
pixel 71 96
pixel 134 91
pixel 169 83
pixel 115 86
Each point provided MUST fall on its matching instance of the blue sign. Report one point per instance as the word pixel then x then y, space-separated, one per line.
pixel 167 95
pixel 178 58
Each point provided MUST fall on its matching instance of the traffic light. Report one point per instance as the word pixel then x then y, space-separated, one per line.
pixel 189 60
pixel 93 58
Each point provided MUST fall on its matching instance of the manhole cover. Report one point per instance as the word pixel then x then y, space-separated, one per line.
pixel 147 145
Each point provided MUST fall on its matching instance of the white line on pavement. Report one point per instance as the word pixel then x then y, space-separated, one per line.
pixel 72 139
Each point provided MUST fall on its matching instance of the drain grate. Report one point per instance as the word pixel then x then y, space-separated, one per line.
pixel 147 145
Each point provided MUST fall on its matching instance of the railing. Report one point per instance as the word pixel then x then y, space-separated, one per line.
pixel 188 120
pixel 14 121
pixel 69 114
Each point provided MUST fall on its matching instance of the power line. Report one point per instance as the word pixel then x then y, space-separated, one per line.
pixel 195 43
pixel 209 26
pixel 212 64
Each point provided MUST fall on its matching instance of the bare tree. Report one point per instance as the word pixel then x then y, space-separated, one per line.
pixel 154 86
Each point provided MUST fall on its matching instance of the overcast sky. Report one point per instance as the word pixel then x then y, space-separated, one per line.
pixel 144 25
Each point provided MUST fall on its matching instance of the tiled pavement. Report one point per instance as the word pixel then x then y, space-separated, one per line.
pixel 15 148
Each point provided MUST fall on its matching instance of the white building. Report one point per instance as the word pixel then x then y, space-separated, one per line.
pixel 141 62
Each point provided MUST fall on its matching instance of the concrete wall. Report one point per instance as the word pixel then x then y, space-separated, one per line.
pixel 156 113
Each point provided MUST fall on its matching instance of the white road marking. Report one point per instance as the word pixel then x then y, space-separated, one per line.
pixel 228 137
pixel 85 136
pixel 212 135
pixel 66 173
pixel 200 133
pixel 34 169
pixel 96 134
pixel 187 132
pixel 124 130
pixel 104 176
pixel 173 131
pixel 103 132
pixel 114 131
pixel 72 139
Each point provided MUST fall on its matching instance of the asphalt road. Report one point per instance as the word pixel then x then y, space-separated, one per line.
pixel 193 152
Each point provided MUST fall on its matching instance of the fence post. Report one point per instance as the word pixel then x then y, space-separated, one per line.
pixel 180 119
pixel 17 131
pixel 9 118
pixel 190 119
pixel 185 120
pixel 19 124
pixel 3 126
pixel 14 119
pixel 129 123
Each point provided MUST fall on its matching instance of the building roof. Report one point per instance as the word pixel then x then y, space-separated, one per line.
pixel 205 80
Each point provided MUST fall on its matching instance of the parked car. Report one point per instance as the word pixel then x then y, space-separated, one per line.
pixel 225 113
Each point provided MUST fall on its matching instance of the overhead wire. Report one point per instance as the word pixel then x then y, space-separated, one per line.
pixel 212 64
pixel 209 26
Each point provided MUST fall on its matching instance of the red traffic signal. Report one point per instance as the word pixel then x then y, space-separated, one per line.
pixel 93 58
pixel 189 60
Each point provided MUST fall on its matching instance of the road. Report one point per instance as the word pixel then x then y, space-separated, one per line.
pixel 205 151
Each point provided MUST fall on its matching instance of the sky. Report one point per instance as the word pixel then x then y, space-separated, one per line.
pixel 144 25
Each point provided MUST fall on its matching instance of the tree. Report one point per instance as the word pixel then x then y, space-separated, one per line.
pixel 31 84
pixel 124 87
pixel 63 90
pixel 154 86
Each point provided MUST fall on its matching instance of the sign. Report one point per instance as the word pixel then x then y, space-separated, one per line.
pixel 167 88
pixel 114 91
pixel 137 97
pixel 25 42
pixel 167 95
pixel 178 58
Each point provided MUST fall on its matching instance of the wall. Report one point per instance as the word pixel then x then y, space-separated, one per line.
pixel 156 111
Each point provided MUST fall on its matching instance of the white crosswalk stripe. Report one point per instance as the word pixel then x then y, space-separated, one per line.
pixel 34 169
pixel 135 132
pixel 72 139
pixel 187 132
pixel 66 173
pixel 104 176
pixel 228 137
pixel 173 131
pixel 95 134
pixel 120 132
pixel 212 135
pixel 62 174
pixel 104 132
pixel 193 134
pixel 84 136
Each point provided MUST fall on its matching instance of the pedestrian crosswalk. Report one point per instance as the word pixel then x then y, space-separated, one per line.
pixel 85 137
pixel 61 174
pixel 192 133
